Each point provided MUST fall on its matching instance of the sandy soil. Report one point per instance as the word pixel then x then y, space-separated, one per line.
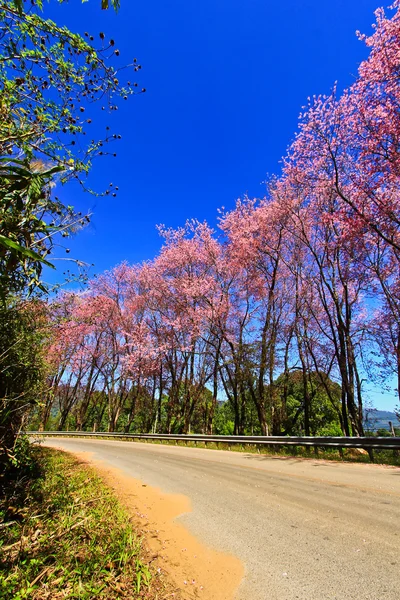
pixel 195 570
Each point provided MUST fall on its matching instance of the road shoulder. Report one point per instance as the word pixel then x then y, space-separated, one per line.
pixel 195 570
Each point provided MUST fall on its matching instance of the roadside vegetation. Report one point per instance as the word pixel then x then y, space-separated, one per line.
pixel 383 457
pixel 49 79
pixel 65 535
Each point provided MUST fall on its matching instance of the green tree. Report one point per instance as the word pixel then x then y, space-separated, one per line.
pixel 224 419
pixel 49 78
pixel 323 413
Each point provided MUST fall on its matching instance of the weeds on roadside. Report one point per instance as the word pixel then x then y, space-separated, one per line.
pixel 65 536
pixel 354 455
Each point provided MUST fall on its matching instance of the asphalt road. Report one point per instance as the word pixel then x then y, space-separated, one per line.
pixel 307 530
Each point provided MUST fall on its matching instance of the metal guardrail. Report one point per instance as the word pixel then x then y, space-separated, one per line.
pixel 366 443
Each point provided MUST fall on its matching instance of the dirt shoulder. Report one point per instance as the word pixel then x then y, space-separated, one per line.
pixel 195 570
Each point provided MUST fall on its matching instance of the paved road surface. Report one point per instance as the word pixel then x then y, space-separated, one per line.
pixel 307 530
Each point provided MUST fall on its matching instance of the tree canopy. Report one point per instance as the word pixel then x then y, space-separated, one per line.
pixel 49 78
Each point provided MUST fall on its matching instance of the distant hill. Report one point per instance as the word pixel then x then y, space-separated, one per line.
pixel 379 419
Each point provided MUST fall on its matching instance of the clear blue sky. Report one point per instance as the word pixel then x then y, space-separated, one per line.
pixel 225 80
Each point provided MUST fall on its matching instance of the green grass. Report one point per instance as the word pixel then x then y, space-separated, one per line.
pixel 64 535
pixel 384 457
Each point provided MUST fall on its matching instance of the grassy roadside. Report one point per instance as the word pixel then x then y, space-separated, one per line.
pixel 353 455
pixel 64 535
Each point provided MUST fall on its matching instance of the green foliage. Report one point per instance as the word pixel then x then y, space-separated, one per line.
pixel 383 432
pixel 223 423
pixel 27 225
pixel 322 413
pixel 49 78
pixel 330 430
pixel 105 4
pixel 22 371
pixel 21 458
pixel 62 542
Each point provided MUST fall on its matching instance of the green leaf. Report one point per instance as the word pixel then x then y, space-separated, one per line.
pixel 105 4
pixel 19 6
pixel 10 244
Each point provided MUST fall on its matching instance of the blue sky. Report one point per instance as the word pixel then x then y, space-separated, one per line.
pixel 225 81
